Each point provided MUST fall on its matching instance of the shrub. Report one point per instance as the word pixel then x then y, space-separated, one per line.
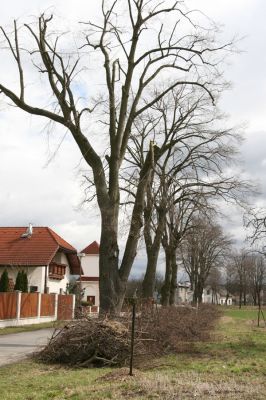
pixel 18 284
pixel 24 287
pixel 22 282
pixel 4 282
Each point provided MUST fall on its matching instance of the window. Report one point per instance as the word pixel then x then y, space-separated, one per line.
pixel 57 271
pixel 33 289
pixel 91 300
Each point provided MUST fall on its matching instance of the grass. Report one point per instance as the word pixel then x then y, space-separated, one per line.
pixel 27 328
pixel 232 365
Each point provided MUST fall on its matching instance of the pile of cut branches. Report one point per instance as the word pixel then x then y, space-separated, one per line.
pixel 100 342
pixel 88 342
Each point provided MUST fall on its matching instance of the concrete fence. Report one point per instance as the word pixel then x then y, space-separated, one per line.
pixel 18 308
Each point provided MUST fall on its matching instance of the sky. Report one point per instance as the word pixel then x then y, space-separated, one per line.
pixel 46 191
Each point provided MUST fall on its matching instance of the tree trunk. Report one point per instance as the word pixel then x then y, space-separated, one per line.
pixel 148 284
pixel 240 299
pixel 172 298
pixel 198 291
pixel 113 280
pixel 152 250
pixel 167 278
pixel 112 289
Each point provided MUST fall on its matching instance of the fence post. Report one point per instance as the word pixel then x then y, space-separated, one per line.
pixel 18 305
pixel 73 306
pixel 39 305
pixel 56 306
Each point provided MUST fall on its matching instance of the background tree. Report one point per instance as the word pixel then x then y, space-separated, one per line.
pixel 214 280
pixel 131 61
pixel 205 248
pixel 242 263
pixel 192 167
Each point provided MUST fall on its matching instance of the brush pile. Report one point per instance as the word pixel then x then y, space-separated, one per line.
pixel 92 342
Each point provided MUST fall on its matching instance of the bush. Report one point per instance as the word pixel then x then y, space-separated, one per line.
pixel 4 282
pixel 21 282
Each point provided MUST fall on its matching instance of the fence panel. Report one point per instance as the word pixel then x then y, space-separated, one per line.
pixel 29 305
pixel 47 305
pixel 8 305
pixel 65 307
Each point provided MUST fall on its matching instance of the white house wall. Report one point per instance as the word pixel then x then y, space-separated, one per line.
pixel 91 289
pixel 90 265
pixel 55 285
pixel 35 275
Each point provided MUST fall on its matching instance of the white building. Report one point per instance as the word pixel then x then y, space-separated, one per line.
pixel 90 273
pixel 220 297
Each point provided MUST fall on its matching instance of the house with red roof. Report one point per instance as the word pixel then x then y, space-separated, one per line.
pixel 47 258
pixel 90 273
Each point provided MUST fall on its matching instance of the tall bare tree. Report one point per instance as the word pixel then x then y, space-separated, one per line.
pixel 205 248
pixel 131 61
pixel 192 169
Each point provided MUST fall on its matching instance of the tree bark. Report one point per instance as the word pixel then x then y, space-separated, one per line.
pixel 172 298
pixel 111 286
pixel 152 250
pixel 167 279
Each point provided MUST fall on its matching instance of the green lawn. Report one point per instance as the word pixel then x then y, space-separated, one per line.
pixel 232 365
pixel 27 328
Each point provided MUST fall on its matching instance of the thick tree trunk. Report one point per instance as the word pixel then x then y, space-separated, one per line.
pixel 148 284
pixel 167 279
pixel 172 298
pixel 197 295
pixel 113 280
pixel 112 289
pixel 152 250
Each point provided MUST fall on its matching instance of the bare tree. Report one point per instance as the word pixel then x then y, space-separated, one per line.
pixel 255 222
pixel 242 263
pixel 132 60
pixel 179 221
pixel 205 248
pixel 191 170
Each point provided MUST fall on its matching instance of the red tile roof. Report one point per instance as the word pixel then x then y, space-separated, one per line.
pixel 89 279
pixel 92 248
pixel 36 250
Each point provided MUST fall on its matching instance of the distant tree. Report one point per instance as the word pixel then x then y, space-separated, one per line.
pixel 214 281
pixel 242 264
pixel 204 249
pixel 4 282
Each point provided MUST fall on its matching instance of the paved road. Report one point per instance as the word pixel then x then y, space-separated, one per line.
pixel 16 346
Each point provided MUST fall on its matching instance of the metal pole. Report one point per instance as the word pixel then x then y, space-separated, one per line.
pixel 132 337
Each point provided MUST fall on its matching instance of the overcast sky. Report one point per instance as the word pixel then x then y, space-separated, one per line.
pixel 49 195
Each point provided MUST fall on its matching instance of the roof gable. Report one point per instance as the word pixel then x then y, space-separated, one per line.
pixel 93 248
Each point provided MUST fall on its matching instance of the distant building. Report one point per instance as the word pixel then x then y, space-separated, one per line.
pixel 184 294
pixel 219 296
pixel 90 273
